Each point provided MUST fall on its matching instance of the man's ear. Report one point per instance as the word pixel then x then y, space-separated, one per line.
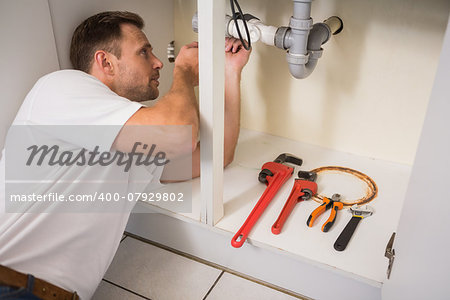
pixel 104 62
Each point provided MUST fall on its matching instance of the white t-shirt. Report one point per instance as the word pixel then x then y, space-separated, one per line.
pixel 70 250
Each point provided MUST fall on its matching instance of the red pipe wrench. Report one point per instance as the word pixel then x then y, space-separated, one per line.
pixel 304 188
pixel 274 175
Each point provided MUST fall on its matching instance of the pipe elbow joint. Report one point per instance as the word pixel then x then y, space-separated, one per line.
pixel 300 71
pixel 301 66
pixel 297 65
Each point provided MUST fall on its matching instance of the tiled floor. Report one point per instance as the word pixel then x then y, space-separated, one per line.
pixel 144 271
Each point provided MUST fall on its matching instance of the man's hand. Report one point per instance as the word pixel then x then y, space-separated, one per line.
pixel 187 62
pixel 236 57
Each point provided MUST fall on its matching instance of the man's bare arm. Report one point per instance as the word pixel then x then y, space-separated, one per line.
pixel 177 107
pixel 236 57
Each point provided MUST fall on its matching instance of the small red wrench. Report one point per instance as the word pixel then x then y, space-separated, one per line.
pixel 274 175
pixel 304 188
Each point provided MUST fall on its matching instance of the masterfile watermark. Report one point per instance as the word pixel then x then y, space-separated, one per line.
pixel 85 157
pixel 100 197
pixel 88 169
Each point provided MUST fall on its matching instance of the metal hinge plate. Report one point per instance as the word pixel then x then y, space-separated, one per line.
pixel 390 254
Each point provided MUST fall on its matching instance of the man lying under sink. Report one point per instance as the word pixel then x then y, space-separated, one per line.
pixel 51 254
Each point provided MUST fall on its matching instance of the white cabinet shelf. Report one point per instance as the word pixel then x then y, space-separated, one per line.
pixel 364 257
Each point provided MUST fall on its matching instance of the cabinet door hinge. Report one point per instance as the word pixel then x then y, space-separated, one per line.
pixel 390 254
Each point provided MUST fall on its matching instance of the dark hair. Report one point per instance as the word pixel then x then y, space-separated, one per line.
pixel 99 32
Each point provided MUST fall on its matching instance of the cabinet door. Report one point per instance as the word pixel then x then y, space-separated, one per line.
pixel 421 269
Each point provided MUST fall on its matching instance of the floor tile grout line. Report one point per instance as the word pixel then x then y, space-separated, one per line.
pixel 267 284
pixel 123 238
pixel 217 266
pixel 213 285
pixel 124 288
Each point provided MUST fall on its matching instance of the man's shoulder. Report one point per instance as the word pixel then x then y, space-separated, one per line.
pixel 69 80
pixel 67 75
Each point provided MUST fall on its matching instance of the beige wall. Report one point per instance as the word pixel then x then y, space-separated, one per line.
pixel 370 90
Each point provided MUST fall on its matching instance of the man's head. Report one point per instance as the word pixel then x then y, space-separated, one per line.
pixel 112 47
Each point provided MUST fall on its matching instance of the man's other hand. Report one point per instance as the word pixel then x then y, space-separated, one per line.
pixel 236 57
pixel 187 61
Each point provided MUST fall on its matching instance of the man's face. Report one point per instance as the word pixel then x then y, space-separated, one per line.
pixel 138 69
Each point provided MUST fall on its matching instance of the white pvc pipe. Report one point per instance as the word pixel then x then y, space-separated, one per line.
pixel 258 31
